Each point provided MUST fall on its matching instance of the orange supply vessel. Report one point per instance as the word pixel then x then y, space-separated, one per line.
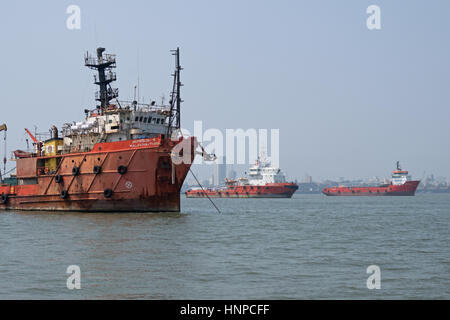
pixel 120 158
pixel 401 185
pixel 262 181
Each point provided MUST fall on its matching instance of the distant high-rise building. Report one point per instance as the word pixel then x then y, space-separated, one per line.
pixel 220 171
pixel 308 178
pixel 232 174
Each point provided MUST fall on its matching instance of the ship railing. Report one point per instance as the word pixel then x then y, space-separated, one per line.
pixel 78 149
pixel 105 59
pixel 42 136
pixel 144 107
pixel 110 76
pixel 110 94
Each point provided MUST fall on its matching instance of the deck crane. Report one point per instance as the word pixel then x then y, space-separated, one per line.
pixel 31 136
pixel 4 128
pixel 37 144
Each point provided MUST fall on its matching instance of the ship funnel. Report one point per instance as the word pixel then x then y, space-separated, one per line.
pixel 54 132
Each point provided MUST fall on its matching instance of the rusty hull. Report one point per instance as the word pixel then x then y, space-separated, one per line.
pixel 152 182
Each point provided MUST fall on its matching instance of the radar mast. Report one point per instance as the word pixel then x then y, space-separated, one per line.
pixel 104 64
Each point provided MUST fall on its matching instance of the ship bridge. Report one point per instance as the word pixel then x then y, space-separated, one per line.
pixel 262 173
pixel 399 176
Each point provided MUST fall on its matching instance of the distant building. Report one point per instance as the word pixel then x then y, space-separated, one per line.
pixel 220 171
pixel 307 179
pixel 205 183
pixel 191 182
pixel 232 174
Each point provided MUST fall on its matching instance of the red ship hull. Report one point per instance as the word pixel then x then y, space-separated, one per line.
pixel 272 190
pixel 151 181
pixel 406 189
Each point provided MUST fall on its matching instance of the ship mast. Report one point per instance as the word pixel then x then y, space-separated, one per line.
pixel 4 128
pixel 175 96
pixel 104 64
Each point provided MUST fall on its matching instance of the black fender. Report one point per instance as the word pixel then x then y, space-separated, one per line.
pixel 108 193
pixel 75 170
pixel 97 169
pixel 64 194
pixel 122 169
pixel 4 198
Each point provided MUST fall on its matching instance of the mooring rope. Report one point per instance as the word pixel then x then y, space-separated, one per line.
pixel 204 191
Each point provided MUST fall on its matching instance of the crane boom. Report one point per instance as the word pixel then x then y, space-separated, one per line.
pixel 31 135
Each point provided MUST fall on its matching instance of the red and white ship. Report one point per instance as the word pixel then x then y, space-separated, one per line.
pixel 120 158
pixel 262 181
pixel 401 185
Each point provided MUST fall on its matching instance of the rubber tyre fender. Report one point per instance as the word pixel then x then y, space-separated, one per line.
pixel 4 198
pixel 75 170
pixel 64 194
pixel 58 178
pixel 108 193
pixel 122 169
pixel 97 169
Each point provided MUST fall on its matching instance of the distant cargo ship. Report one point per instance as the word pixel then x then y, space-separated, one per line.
pixel 401 185
pixel 262 181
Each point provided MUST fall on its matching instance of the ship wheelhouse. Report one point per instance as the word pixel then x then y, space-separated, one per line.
pixel 263 173
pixel 399 176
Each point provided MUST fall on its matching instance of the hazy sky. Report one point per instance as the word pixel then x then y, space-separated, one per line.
pixel 348 101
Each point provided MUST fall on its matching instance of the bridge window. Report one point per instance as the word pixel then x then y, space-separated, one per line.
pixel 145 120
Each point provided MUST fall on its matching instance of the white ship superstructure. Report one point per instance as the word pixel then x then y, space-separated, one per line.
pixel 118 123
pixel 399 176
pixel 262 173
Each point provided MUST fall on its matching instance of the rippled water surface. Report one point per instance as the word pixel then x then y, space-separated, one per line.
pixel 310 246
